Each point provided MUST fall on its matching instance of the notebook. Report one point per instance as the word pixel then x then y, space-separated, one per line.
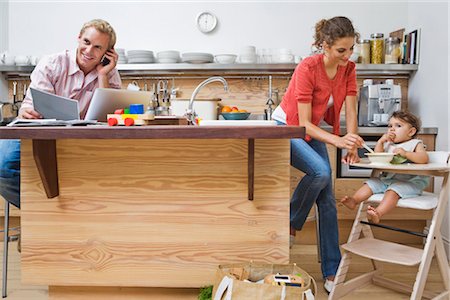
pixel 51 106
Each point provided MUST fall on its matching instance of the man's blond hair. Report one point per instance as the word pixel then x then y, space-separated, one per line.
pixel 103 27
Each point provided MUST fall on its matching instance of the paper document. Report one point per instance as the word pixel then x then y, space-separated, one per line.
pixel 51 106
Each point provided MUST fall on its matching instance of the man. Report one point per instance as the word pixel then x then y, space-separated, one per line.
pixel 72 74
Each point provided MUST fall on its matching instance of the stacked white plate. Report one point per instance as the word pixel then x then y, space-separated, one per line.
pixel 140 57
pixel 197 58
pixel 168 57
pixel 122 57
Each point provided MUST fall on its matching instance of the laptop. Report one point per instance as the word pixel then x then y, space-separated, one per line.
pixel 51 106
pixel 106 101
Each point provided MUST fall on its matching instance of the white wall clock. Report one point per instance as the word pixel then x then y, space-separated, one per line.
pixel 206 22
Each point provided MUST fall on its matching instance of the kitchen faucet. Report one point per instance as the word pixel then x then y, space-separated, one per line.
pixel 190 115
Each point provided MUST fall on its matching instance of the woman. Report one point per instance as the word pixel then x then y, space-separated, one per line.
pixel 319 87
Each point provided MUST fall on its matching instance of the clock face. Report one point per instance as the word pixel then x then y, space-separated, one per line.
pixel 206 22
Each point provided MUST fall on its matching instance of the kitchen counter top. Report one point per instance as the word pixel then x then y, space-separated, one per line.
pixel 152 132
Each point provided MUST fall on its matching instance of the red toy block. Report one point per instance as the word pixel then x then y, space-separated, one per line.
pixel 119 111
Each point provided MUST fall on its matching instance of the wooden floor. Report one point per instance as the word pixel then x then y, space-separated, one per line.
pixel 304 255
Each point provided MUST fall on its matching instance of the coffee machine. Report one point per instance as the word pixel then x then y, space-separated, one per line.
pixel 377 102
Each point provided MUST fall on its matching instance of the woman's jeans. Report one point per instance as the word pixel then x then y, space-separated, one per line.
pixel 312 159
pixel 10 171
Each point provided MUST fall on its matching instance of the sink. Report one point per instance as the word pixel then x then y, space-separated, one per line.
pixel 238 123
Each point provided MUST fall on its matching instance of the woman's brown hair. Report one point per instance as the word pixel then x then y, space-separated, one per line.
pixel 333 29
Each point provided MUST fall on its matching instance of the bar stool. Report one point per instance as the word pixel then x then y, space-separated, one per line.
pixel 6 239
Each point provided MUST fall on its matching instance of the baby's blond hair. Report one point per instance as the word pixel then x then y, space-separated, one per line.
pixel 103 27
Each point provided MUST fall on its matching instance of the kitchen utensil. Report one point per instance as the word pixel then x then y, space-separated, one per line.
pixel 368 148
pixel 24 91
pixel 14 91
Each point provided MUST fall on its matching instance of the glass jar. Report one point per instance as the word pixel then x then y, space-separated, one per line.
pixel 392 50
pixel 365 51
pixel 377 48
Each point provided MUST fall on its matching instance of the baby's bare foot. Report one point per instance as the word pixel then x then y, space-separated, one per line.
pixel 350 202
pixel 373 215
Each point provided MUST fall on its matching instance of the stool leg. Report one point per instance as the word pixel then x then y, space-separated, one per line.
pixel 5 250
pixel 316 213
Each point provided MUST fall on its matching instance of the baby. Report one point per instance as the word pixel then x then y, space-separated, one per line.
pixel 399 139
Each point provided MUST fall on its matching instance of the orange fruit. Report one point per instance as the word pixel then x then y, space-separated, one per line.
pixel 242 111
pixel 226 109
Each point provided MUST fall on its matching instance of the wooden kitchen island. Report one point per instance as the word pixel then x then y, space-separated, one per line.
pixel 135 212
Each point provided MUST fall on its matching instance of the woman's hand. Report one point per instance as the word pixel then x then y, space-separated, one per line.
pixel 351 157
pixel 350 141
pixel 29 113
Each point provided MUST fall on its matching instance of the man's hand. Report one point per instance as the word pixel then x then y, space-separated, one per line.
pixel 113 57
pixel 29 113
pixel 351 157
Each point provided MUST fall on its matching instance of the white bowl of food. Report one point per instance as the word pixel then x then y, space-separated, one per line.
pixel 380 158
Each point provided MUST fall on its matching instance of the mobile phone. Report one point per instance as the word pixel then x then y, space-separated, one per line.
pixel 105 61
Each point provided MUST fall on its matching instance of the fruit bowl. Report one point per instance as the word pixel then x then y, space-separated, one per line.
pixel 380 158
pixel 235 115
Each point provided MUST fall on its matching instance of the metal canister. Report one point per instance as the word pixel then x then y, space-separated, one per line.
pixel 377 48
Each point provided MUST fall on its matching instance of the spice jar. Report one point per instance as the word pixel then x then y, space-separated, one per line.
pixel 365 51
pixel 392 50
pixel 377 48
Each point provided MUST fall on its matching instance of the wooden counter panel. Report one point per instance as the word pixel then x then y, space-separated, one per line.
pixel 160 213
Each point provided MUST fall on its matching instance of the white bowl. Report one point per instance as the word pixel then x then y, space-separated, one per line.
pixel 225 58
pixel 380 158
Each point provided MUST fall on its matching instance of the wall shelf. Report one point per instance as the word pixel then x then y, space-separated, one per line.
pixel 218 69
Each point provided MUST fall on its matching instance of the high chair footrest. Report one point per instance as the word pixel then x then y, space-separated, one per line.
pixel 385 251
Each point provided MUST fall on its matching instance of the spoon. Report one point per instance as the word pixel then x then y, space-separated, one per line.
pixel 368 148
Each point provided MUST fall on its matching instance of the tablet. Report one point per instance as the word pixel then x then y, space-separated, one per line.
pixel 106 101
pixel 51 106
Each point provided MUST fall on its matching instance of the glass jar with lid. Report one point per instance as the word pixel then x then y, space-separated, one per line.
pixel 364 51
pixel 377 48
pixel 392 50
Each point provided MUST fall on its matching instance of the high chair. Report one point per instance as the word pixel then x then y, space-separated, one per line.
pixel 383 251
